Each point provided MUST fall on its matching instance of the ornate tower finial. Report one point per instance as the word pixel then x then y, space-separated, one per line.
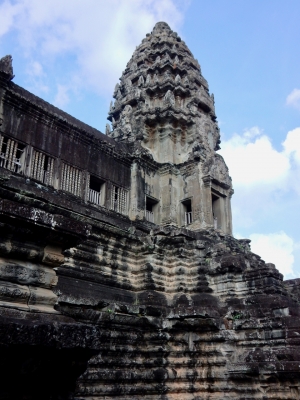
pixel 161 27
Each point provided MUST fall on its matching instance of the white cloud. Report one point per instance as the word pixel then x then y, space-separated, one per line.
pixel 36 77
pixel 267 189
pixel 292 144
pixel 252 160
pixel 36 69
pixel 98 36
pixel 293 99
pixel 276 248
pixel 8 12
pixel 62 97
pixel 252 132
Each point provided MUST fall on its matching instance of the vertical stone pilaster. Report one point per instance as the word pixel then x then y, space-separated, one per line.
pixel 168 200
pixel 28 154
pixel 174 197
pixel 228 212
pixel 137 193
pixel 195 194
pixel 206 198
pixel 57 173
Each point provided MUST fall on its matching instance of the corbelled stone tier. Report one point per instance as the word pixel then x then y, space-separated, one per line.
pixel 163 100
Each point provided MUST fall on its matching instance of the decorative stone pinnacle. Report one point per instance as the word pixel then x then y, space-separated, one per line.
pixel 160 27
pixel 163 102
pixel 6 66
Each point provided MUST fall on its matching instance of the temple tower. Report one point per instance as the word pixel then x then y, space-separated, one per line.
pixel 164 111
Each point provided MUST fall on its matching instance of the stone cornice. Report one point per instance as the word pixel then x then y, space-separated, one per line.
pixel 207 180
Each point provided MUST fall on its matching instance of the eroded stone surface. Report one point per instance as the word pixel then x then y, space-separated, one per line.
pixel 98 301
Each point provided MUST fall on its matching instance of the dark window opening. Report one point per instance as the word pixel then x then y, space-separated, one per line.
pixel 119 199
pixel 95 188
pixel 215 200
pixel 150 208
pixel 42 167
pixel 71 179
pixel 188 213
pixel 11 153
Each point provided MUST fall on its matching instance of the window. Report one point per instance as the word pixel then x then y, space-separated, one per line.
pixel 119 199
pixel 41 167
pixel 11 154
pixel 71 179
pixel 215 201
pixel 150 208
pixel 187 210
pixel 95 190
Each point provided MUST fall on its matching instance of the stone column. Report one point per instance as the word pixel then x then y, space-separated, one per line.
pixel 137 193
pixel 28 160
pixel 57 173
pixel 196 195
pixel 206 201
pixel 168 212
pixel 228 213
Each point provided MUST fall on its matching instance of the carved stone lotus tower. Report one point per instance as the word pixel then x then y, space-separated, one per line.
pixel 163 107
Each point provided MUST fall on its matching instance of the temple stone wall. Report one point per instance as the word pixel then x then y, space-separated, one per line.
pixel 119 274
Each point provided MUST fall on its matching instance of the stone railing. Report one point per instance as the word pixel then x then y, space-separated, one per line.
pixel 149 216
pixel 94 196
pixel 11 163
pixel 188 218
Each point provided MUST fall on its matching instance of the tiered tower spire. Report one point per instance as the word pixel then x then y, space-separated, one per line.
pixel 163 100
pixel 162 103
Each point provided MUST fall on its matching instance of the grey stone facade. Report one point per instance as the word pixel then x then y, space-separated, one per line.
pixel 119 274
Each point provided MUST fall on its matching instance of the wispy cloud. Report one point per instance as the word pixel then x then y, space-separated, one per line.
pixel 8 12
pixel 293 99
pixel 267 188
pixel 253 160
pixel 276 248
pixel 62 96
pixel 36 77
pixel 94 39
pixel 292 145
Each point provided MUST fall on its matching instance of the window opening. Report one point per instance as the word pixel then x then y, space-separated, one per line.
pixel 71 179
pixel 119 200
pixel 188 213
pixel 42 167
pixel 149 210
pixel 215 200
pixel 11 153
pixel 95 190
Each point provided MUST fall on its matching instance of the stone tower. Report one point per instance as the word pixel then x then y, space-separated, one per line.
pixel 163 107
pixel 104 293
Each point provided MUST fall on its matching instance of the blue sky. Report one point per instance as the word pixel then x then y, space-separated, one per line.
pixel 72 52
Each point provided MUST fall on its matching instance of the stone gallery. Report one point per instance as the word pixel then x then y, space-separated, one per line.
pixel 119 274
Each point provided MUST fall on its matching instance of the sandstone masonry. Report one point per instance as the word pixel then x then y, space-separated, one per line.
pixel 119 274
